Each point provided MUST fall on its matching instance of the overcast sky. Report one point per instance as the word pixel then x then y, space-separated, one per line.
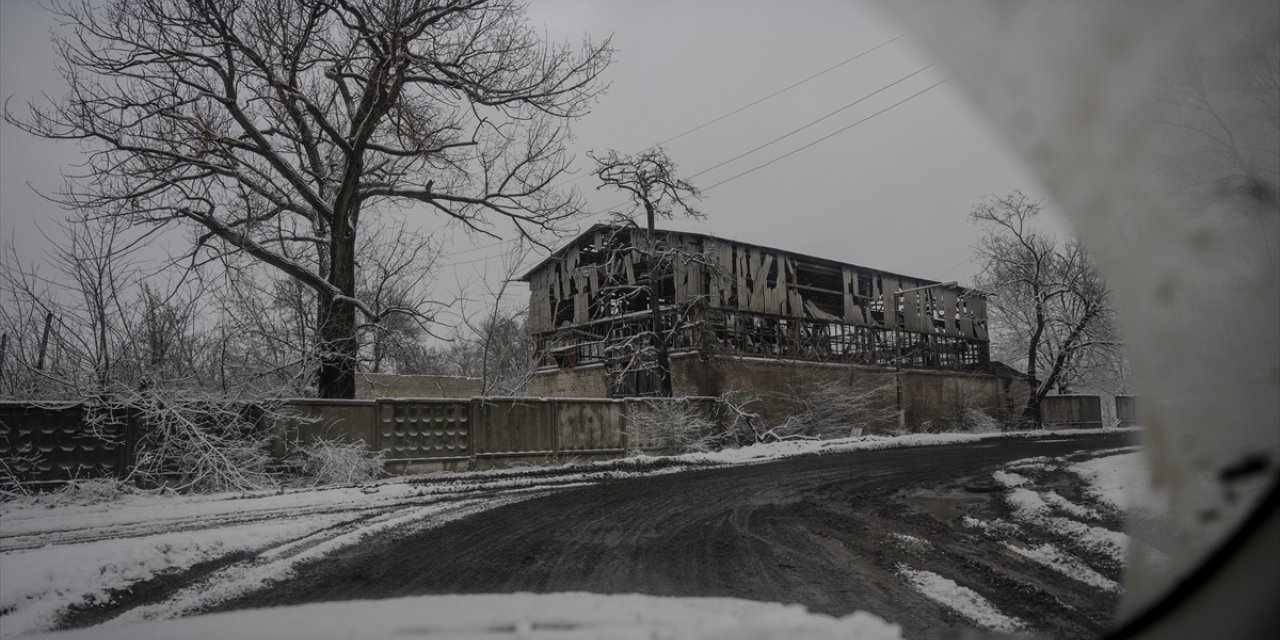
pixel 891 192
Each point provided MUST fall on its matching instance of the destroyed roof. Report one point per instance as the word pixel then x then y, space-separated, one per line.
pixel 579 240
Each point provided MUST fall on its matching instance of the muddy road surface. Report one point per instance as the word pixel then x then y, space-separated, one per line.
pixel 832 532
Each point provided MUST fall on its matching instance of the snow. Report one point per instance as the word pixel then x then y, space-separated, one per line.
pixel 39 583
pixel 1010 479
pixel 1070 508
pixel 522 615
pixel 49 564
pixel 1122 481
pixel 1028 506
pixel 995 527
pixel 277 564
pixel 778 450
pixel 1066 564
pixel 964 601
pixel 55 558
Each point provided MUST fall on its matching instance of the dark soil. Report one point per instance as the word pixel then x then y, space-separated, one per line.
pixel 823 531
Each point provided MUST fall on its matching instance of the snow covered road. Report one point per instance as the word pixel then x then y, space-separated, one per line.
pixel 144 557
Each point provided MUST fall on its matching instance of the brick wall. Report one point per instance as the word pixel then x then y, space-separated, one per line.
pixel 929 398
pixel 580 382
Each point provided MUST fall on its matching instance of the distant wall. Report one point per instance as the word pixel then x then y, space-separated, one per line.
pixel 421 434
pixel 371 386
pixel 579 382
pixel 929 398
pixel 1057 412
pixel 1126 411
pixel 417 434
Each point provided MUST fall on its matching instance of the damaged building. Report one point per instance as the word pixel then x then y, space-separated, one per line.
pixel 737 316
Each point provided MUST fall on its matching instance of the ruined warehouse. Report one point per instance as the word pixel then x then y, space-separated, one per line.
pixel 736 315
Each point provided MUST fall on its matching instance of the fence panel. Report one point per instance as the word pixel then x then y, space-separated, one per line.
pixel 347 420
pixel 590 428
pixel 1074 412
pixel 424 434
pixel 1126 411
pixel 50 443
pixel 510 431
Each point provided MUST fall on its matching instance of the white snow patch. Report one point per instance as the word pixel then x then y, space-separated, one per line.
pixel 1122 481
pixel 40 583
pixel 962 600
pixel 521 615
pixel 1028 506
pixel 995 527
pixel 1010 479
pixel 237 580
pixel 1070 508
pixel 1066 564
pixel 778 450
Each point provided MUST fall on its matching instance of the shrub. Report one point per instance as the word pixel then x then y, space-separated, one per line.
pixel 671 424
pixel 339 462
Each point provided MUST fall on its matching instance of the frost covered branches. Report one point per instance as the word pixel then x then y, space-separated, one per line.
pixel 652 185
pixel 275 129
pixel 190 443
pixel 818 409
pixel 327 462
pixel 672 424
pixel 1050 301
pixel 650 180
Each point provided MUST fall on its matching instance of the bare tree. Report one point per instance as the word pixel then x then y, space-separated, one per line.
pixel 72 324
pixel 273 127
pixel 1050 301
pixel 652 185
pixel 1226 125
pixel 395 265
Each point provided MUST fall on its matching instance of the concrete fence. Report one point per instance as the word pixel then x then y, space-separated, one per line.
pixel 1126 411
pixel 1083 412
pixel 420 434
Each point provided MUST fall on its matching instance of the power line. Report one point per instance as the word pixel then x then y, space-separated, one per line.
pixel 811 123
pixel 862 120
pixel 789 87
pixel 841 109
pixel 830 135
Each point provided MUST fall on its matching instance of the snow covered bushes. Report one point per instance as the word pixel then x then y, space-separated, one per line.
pixel 810 409
pixel 976 421
pixel 192 442
pixel 671 424
pixel 327 462
pixel 819 409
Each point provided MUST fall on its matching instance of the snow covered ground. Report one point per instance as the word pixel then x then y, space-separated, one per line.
pixel 56 559
pixel 560 615
pixel 1076 540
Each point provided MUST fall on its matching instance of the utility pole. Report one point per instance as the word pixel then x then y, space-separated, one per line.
pixel 44 340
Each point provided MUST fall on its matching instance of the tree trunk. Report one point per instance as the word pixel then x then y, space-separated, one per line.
pixel 336 335
pixel 1031 413
pixel 659 337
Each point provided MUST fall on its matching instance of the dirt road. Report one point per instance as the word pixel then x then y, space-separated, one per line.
pixel 829 532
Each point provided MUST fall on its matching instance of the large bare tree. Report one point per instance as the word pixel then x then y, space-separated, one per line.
pixel 1050 302
pixel 272 126
pixel 653 186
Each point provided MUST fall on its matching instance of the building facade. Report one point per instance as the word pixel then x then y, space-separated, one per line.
pixel 590 306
